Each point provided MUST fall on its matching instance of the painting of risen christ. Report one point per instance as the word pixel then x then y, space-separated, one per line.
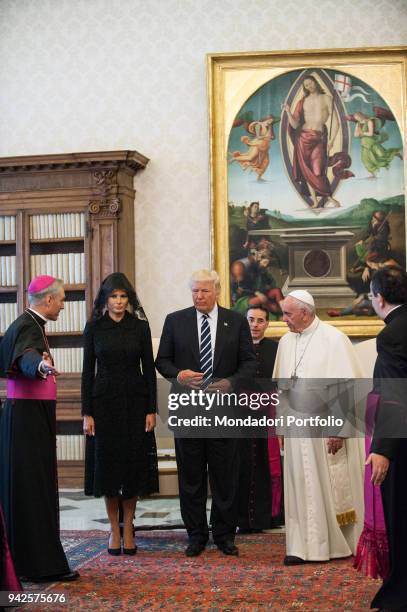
pixel 318 132
pixel 315 192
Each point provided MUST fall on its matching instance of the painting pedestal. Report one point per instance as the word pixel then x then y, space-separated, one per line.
pixel 317 262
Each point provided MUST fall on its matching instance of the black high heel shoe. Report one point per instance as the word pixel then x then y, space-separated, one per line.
pixel 114 551
pixel 130 551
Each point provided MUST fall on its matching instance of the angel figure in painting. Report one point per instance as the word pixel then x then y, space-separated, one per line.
pixel 256 158
pixel 372 136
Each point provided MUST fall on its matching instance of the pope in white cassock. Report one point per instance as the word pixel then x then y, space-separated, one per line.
pixel 323 476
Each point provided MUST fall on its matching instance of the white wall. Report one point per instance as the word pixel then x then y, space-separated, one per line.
pixel 87 75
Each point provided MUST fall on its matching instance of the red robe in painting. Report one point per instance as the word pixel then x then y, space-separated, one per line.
pixel 310 156
pixel 311 161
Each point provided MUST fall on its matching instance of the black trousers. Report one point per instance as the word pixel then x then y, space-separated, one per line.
pixel 393 593
pixel 196 459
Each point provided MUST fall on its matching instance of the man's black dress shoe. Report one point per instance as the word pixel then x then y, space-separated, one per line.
pixel 68 577
pixel 291 560
pixel 228 548
pixel 194 549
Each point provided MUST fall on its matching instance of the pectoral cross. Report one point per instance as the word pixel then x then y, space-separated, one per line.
pixel 293 379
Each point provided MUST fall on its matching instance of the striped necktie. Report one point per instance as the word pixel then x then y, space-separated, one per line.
pixel 205 352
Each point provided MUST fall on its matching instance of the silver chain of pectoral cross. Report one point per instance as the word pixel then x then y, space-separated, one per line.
pixel 296 364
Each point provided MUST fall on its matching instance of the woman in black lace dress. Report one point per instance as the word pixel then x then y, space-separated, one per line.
pixel 119 406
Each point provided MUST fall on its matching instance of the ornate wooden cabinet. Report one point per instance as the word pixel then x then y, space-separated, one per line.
pixel 71 216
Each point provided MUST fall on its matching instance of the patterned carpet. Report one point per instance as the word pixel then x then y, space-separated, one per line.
pixel 160 577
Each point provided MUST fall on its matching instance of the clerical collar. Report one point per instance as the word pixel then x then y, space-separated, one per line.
pixel 394 308
pixel 37 314
pixel 258 341
pixel 311 328
pixel 392 312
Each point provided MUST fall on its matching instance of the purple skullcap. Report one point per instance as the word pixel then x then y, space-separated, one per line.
pixel 39 283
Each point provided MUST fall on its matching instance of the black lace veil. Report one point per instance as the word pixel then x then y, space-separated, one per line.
pixel 115 281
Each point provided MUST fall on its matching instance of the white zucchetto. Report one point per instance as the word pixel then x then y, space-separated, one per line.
pixel 302 295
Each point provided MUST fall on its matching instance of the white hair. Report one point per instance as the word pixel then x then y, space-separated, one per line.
pixel 205 276
pixel 36 298
pixel 308 307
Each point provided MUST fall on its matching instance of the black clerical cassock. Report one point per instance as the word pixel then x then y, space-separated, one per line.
pixel 260 493
pixel 28 476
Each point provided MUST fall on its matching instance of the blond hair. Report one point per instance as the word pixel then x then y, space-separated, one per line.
pixel 205 276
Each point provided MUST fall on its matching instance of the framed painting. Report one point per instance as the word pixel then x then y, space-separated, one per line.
pixel 308 178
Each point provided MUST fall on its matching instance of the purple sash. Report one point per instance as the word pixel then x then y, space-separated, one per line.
pixel 32 388
pixel 273 449
pixel 372 554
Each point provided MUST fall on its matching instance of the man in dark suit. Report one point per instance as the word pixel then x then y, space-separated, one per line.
pixel 229 357
pixel 388 453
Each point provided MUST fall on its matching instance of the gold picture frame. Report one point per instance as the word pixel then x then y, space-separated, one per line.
pixel 233 78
